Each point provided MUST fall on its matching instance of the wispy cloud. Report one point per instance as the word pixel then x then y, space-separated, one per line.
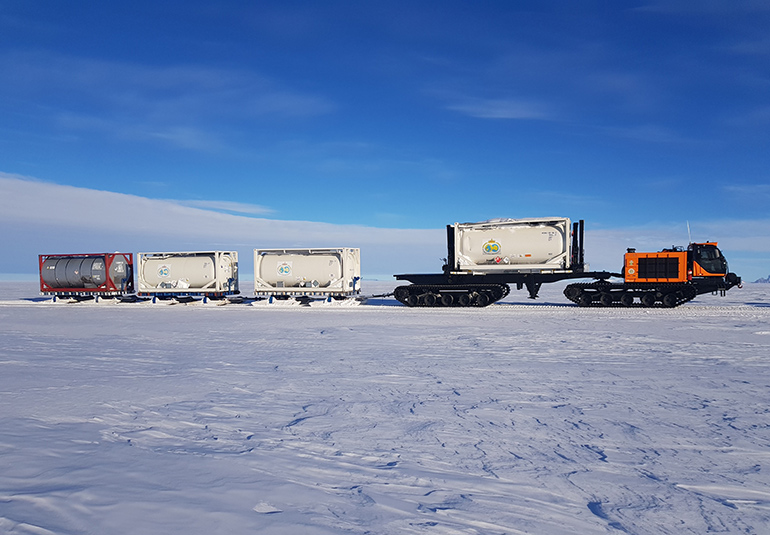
pixel 184 137
pixel 227 206
pixel 749 194
pixel 166 103
pixel 158 91
pixel 139 129
pixel 501 109
pixel 343 159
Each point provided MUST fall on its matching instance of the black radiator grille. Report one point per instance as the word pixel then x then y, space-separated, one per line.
pixel 659 268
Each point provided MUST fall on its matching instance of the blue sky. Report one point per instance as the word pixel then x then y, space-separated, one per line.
pixel 635 116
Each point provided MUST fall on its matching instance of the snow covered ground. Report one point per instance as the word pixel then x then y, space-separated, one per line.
pixel 524 417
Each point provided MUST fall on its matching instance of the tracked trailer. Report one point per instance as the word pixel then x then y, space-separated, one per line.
pixel 484 259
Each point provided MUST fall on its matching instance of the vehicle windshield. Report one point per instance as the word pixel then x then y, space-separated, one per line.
pixel 710 258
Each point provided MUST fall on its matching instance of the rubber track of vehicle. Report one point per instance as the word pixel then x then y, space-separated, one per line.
pixel 689 293
pixel 437 288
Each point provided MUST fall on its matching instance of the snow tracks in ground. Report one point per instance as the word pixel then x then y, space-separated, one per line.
pixel 384 420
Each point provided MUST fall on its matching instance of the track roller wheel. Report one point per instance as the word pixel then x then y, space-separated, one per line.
pixel 412 300
pixel 429 299
pixel 447 300
pixel 464 299
pixel 401 294
pixel 573 293
pixel 585 299
pixel 670 300
pixel 605 298
pixel 648 299
pixel 497 293
pixel 626 299
pixel 482 299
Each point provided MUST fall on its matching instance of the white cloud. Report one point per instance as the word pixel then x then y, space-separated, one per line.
pixel 43 218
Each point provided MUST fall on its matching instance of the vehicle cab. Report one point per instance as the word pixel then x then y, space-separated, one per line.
pixel 706 260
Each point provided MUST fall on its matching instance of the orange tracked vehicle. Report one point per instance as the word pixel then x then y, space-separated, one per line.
pixel 667 278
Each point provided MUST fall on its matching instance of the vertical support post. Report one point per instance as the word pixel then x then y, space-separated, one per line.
pixel 582 260
pixel 575 255
pixel 533 286
pixel 451 263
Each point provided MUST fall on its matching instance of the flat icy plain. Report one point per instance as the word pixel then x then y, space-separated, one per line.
pixel 534 417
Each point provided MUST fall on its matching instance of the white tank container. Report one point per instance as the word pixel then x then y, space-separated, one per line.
pixel 188 273
pixel 512 245
pixel 322 272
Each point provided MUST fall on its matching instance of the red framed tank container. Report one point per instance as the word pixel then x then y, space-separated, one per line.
pixel 92 274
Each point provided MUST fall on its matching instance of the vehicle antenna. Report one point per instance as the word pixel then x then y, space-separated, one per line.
pixel 689 237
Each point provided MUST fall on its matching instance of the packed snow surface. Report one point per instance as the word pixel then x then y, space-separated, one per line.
pixel 534 417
